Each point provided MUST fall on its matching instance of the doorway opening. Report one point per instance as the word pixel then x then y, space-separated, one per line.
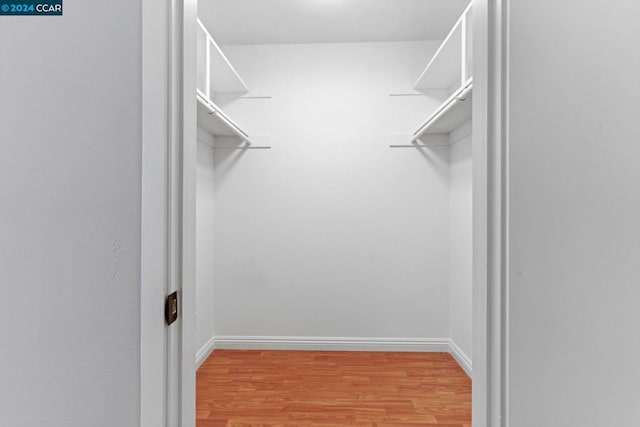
pixel 330 198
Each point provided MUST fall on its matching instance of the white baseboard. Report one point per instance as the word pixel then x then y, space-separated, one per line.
pixel 426 345
pixel 206 350
pixel 332 343
pixel 463 360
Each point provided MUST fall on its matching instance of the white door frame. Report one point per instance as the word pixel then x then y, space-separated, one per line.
pixel 490 214
pixel 168 213
pixel 186 147
pixel 168 140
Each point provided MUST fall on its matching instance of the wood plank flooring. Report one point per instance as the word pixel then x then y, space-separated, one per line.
pixel 307 388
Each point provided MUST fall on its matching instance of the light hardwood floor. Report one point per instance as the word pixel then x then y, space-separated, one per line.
pixel 308 388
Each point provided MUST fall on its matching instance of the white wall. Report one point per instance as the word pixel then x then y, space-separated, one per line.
pixel 460 239
pixel 204 244
pixel 331 233
pixel 574 243
pixel 70 167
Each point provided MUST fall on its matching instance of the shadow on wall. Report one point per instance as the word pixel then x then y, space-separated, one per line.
pixel 435 156
pixel 227 155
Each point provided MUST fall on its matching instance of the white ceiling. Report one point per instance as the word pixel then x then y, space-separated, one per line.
pixel 328 21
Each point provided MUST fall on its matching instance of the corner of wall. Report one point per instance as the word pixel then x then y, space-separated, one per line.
pixel 463 131
pixel 203 354
pixel 463 360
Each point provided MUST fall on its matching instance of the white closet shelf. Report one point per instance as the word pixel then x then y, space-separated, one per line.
pixel 455 111
pixel 212 119
pixel 447 68
pixel 450 69
pixel 224 78
pixel 443 71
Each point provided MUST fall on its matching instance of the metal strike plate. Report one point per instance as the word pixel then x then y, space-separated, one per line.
pixel 171 308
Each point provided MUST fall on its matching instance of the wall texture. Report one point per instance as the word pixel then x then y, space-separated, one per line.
pixel 331 233
pixel 204 244
pixel 70 169
pixel 574 212
pixel 460 239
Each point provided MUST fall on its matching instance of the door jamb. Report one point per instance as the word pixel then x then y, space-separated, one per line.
pixel 490 218
pixel 167 245
pixel 185 32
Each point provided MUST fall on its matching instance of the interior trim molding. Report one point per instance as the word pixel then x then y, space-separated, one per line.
pixel 426 345
pixel 231 342
pixel 206 350
pixel 463 360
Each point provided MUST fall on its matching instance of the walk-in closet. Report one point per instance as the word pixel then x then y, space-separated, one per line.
pixel 334 211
